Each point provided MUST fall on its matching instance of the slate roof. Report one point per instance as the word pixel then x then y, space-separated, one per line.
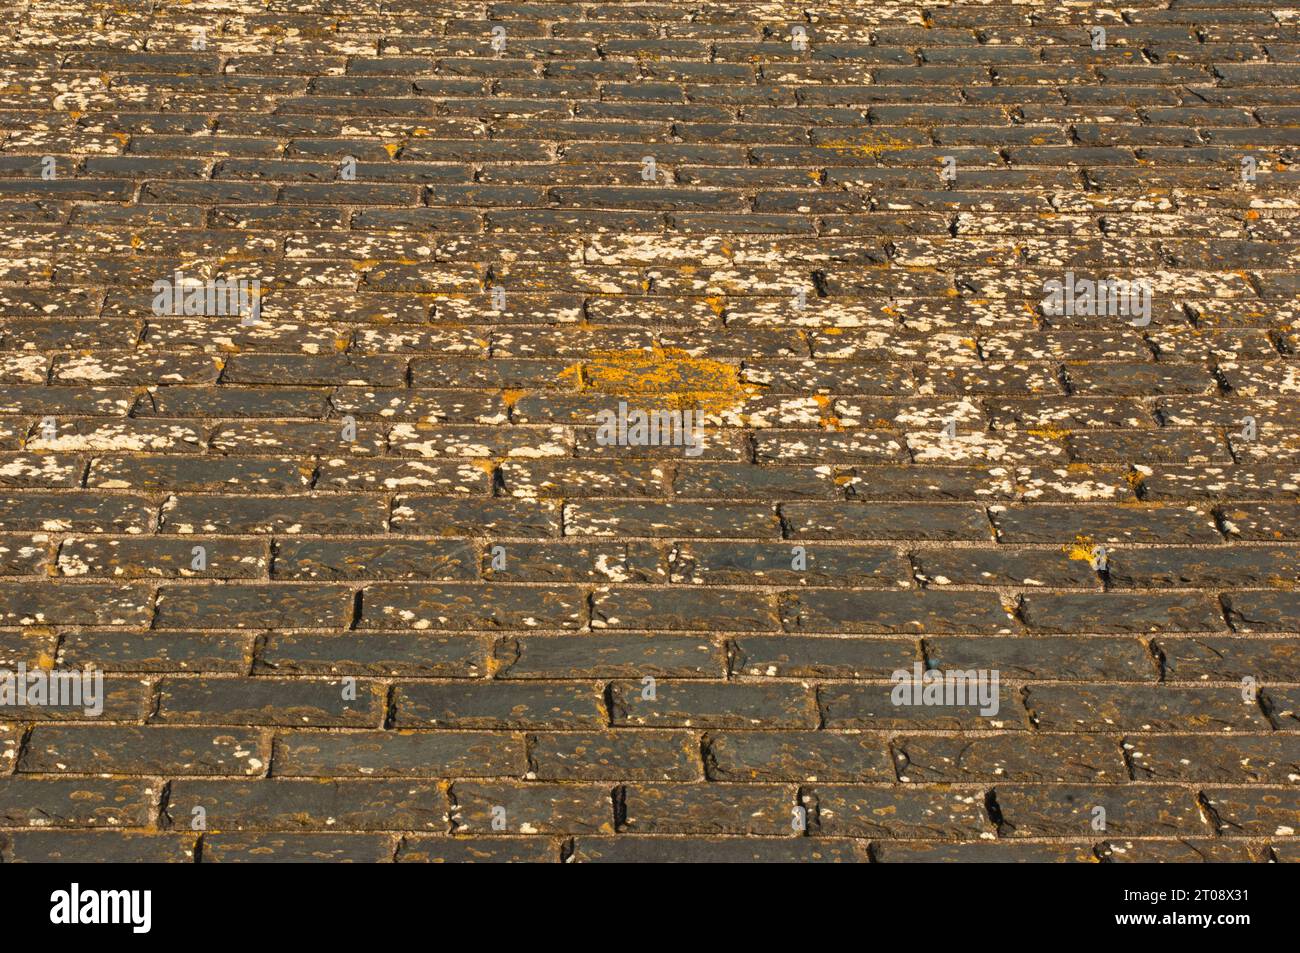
pixel 437 618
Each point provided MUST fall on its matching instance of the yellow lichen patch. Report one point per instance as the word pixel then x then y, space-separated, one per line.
pixel 1082 549
pixel 887 143
pixel 511 396
pixel 486 465
pixel 45 661
pixel 392 148
pixel 493 664
pixel 662 376
pixel 826 407
pixel 571 376
pixel 716 304
pixel 1048 433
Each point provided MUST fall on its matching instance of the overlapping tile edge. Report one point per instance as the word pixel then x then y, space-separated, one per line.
pixel 365 580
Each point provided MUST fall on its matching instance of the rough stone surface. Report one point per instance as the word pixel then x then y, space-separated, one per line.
pixel 369 579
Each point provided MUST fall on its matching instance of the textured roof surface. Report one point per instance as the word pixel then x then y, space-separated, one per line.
pixel 364 578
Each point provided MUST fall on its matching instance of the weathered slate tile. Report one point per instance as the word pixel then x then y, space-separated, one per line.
pixel 262 848
pixel 859 811
pixel 1003 567
pixel 914 521
pixel 199 474
pixel 1214 658
pixel 1063 811
pixel 1058 658
pixel 254 606
pixel 340 514
pixel 498 705
pixel 142 557
pixel 1103 524
pixel 717 850
pixel 303 805
pixel 897 612
pixel 47 603
pixel 1141 708
pixel 1217 568
pixel 1120 612
pixel 624 607
pixel 391 754
pixel 298 438
pixel 1263 611
pixel 688 704
pixel 426 476
pixel 24 555
pixel 796 756
pixel 872 706
pixel 426 516
pixel 333 559
pixel 531 808
pixel 78 512
pixel 30 470
pixel 1005 852
pixel 470 606
pixel 610 655
pixel 113 847
pixel 575 561
pixel 97 802
pixel 105 749
pixel 268 701
pixel 775 564
pixel 1243 759
pixel 371 654
pixel 760 809
pixel 607 518
pixel 1191 850
pixel 614 755
pixel 155 651
pixel 1257 812
pixel 1009 757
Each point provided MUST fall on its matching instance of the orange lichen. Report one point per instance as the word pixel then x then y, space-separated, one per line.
pixel 1082 549
pixel 826 413
pixel 887 143
pixel 662 376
